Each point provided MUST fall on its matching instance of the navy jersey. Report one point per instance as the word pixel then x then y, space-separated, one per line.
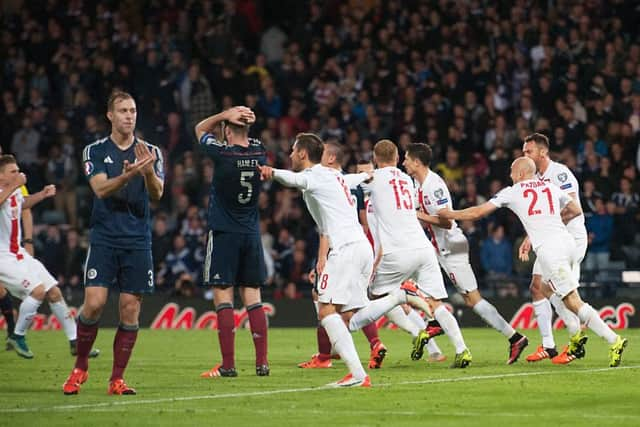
pixel 236 185
pixel 121 220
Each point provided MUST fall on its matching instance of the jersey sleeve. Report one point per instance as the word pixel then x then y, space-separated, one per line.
pixel 502 198
pixel 211 145
pixel 439 196
pixel 567 181
pixel 354 179
pixel 302 180
pixel 158 166
pixel 93 162
pixel 563 197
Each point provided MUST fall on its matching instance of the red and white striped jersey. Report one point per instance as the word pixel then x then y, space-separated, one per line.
pixel 10 223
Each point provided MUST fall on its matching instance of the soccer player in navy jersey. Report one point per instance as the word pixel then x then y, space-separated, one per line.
pixel 234 255
pixel 124 173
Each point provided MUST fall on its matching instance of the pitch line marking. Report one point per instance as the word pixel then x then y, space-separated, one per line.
pixel 112 404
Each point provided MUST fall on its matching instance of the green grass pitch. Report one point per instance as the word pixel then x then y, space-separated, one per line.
pixel 166 365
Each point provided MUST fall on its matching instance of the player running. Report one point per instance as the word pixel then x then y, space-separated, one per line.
pixel 234 255
pixel 342 285
pixel 124 174
pixel 536 147
pixel 544 210
pixel 405 251
pixel 452 246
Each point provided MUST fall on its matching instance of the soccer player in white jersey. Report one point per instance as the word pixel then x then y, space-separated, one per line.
pixel 536 147
pixel 544 210
pixel 406 251
pixel 332 157
pixel 342 285
pixel 404 316
pixel 24 276
pixel 452 246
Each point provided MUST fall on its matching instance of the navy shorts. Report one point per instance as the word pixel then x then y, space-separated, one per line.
pixel 234 259
pixel 129 270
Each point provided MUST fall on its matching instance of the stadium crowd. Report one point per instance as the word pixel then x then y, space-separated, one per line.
pixel 470 78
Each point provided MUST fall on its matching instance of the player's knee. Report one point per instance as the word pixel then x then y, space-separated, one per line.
pixel 536 288
pixel 54 294
pixel 38 293
pixel 223 306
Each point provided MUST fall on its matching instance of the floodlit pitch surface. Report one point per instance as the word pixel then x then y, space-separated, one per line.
pixel 166 366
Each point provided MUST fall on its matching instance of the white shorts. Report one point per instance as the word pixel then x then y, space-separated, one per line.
pixel 346 276
pixel 558 261
pixel 22 276
pixel 581 244
pixel 421 265
pixel 458 268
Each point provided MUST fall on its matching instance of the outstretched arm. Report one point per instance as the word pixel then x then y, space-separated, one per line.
pixel 473 213
pixel 436 220
pixel 34 199
pixel 290 179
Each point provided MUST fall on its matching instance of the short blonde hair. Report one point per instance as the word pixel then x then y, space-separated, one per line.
pixel 385 151
pixel 117 95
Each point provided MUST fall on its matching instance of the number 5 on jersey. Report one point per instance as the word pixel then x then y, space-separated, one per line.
pixel 245 183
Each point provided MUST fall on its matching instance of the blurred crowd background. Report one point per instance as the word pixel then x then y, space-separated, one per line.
pixel 470 78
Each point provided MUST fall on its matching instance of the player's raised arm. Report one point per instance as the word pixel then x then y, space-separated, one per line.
pixel 35 198
pixel 473 213
pixel 153 172
pixel 354 179
pixel 236 115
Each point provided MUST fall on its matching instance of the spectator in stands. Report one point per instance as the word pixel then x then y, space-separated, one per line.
pixel 496 254
pixel 600 229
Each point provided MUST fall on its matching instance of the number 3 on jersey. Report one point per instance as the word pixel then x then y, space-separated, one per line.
pixel 245 183
pixel 534 200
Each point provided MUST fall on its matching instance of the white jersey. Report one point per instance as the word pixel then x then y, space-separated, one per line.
pixel 434 195
pixel 328 198
pixel 10 233
pixel 538 205
pixel 562 177
pixel 397 225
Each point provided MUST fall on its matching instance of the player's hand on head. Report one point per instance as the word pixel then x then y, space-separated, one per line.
pixel 240 115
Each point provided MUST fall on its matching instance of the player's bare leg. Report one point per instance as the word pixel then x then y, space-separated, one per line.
pixel 488 313
pixel 252 300
pixel 342 342
pixel 590 317
pixel 223 303
pixel 95 297
pixel 124 342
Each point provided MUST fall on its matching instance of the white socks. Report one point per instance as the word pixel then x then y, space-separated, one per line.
pixel 376 308
pixel 570 319
pixel 491 316
pixel 61 311
pixel 592 319
pixel 398 316
pixel 415 317
pixel 450 327
pixel 27 310
pixel 543 312
pixel 342 342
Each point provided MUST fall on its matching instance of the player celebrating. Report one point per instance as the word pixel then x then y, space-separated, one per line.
pixel 124 173
pixel 24 276
pixel 536 147
pixel 452 246
pixel 332 157
pixel 234 249
pixel 405 251
pixel 544 210
pixel 343 283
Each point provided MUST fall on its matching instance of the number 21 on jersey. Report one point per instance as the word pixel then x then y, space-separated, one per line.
pixel 533 194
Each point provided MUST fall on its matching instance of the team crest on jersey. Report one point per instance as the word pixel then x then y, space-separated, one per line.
pixel 88 168
pixel 438 193
pixel 92 273
pixel 562 177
